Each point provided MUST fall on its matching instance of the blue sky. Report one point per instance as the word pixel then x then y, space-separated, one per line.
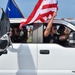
pixel 66 7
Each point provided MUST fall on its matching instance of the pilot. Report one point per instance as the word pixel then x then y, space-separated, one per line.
pixel 64 35
pixel 50 35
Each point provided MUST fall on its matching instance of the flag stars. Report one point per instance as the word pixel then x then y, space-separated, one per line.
pixel 9 9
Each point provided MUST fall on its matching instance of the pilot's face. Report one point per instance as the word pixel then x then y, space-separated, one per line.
pixel 54 29
pixel 11 32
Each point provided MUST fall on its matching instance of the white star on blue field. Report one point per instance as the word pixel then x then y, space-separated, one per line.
pixel 66 7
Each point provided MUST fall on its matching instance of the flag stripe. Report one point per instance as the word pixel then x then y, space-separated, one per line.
pixel 33 12
pixel 43 15
pixel 47 10
pixel 42 20
pixel 49 6
pixel 43 10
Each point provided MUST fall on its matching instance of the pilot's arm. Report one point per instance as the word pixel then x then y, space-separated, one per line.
pixel 48 29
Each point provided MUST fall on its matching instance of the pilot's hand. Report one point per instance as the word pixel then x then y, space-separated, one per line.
pixel 55 14
pixel 67 30
pixel 20 27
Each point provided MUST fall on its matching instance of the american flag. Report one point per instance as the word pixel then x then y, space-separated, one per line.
pixel 43 10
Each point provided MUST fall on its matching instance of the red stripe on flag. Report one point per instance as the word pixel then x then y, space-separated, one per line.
pixel 47 14
pixel 33 12
pixel 40 17
pixel 42 20
pixel 50 6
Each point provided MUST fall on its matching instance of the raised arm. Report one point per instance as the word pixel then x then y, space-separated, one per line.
pixel 48 28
